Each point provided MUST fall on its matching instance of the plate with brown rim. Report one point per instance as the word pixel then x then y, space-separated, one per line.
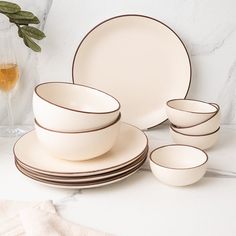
pixel 81 179
pixel 140 61
pixel 77 185
pixel 130 145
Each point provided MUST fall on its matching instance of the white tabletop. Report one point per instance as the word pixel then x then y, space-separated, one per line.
pixel 140 205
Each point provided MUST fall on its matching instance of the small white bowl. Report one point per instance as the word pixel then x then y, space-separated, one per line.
pixel 206 127
pixel 178 165
pixel 69 107
pixel 204 141
pixel 78 146
pixel 188 112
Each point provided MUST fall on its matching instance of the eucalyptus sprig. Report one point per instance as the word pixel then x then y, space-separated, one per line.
pixel 22 19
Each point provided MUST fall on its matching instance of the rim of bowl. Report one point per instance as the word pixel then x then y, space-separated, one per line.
pixel 144 16
pixel 217 106
pixel 194 100
pixel 194 135
pixel 181 168
pixel 79 132
pixel 218 110
pixel 75 110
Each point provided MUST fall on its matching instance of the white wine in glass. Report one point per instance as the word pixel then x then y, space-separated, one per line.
pixel 9 76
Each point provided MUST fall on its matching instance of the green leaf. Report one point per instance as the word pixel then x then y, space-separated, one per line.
pixel 20 33
pixel 31 44
pixel 8 7
pixel 35 20
pixel 21 15
pixel 33 32
pixel 19 18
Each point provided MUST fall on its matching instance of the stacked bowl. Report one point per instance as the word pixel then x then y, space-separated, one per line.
pixel 75 122
pixel 195 123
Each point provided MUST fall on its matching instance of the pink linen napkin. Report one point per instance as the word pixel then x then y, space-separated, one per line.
pixel 37 219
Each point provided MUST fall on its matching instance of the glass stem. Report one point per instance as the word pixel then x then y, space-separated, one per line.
pixel 9 111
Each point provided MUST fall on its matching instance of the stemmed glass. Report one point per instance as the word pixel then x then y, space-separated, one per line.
pixel 9 76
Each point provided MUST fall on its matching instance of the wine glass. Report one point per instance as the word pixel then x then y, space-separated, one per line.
pixel 9 76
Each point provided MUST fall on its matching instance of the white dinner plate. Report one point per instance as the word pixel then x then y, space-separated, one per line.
pixel 81 179
pixel 131 143
pixel 90 184
pixel 137 59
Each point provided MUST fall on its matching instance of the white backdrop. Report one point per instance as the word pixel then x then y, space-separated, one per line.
pixel 28 62
pixel 208 29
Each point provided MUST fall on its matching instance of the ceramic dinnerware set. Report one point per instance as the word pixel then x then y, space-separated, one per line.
pixel 194 126
pixel 193 122
pixel 70 119
pixel 79 140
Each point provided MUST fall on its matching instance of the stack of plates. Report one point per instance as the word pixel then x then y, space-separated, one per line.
pixel 124 159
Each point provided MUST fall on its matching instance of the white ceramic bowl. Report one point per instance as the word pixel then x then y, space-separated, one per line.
pixel 187 112
pixel 69 107
pixel 178 165
pixel 78 146
pixel 204 141
pixel 206 127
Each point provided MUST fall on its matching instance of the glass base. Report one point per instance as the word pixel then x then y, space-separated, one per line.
pixel 15 131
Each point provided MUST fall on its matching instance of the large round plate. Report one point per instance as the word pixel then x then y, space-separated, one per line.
pixel 131 143
pixel 90 184
pixel 137 59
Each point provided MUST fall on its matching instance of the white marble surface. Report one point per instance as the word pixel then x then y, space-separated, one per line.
pixel 141 205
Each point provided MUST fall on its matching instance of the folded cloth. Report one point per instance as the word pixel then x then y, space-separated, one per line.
pixel 10 222
pixel 38 219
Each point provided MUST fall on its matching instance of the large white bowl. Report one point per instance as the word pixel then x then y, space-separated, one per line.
pixel 206 127
pixel 204 141
pixel 78 146
pixel 187 112
pixel 178 165
pixel 69 107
